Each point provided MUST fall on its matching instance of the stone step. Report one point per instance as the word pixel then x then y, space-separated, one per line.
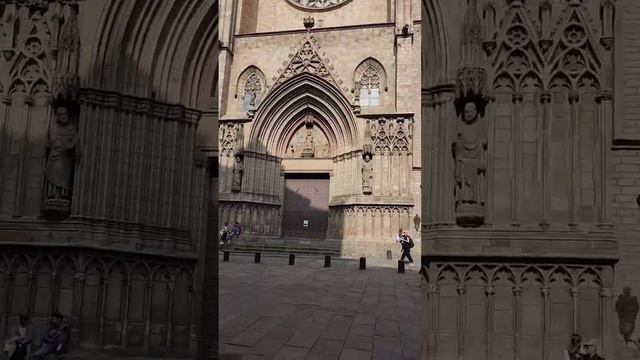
pixel 287 246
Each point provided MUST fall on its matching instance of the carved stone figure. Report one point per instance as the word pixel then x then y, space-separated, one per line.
pixel 469 153
pixel 627 309
pixel 61 157
pixel 308 150
pixel 238 170
pixel 367 174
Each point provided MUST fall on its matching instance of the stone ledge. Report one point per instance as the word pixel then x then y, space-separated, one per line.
pixel 98 234
pixel 536 243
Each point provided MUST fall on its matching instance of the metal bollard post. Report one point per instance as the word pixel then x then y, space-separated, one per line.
pixel 389 255
pixel 292 259
pixel 400 266
pixel 327 261
pixel 257 258
pixel 225 256
pixel 363 263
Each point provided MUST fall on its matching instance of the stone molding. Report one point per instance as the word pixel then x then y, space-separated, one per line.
pixel 139 105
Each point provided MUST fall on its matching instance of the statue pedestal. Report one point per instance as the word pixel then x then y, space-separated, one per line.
pixel 56 207
pixel 307 154
pixel 470 215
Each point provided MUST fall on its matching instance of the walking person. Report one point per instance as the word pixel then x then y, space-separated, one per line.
pixel 407 243
pixel 224 233
pixel 18 346
pixel 573 351
pixel 236 230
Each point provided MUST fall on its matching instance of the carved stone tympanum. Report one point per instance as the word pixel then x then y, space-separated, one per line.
pixel 61 158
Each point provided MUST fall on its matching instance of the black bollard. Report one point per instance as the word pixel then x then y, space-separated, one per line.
pixel 225 257
pixel 363 263
pixel 327 261
pixel 257 258
pixel 292 259
pixel 389 255
pixel 400 266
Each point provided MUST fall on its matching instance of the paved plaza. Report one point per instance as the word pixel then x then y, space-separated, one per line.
pixel 273 310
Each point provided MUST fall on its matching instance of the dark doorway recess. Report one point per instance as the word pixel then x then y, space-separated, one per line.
pixel 306 206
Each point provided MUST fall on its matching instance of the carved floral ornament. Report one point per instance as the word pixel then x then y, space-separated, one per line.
pixel 531 52
pixel 39 39
pixel 317 4
pixel 390 135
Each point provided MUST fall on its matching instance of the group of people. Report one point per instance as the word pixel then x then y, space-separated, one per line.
pixel 53 343
pixel 227 233
pixel 579 350
pixel 404 239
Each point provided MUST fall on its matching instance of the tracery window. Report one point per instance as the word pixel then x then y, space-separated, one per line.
pixel 251 88
pixel 370 81
pixel 370 87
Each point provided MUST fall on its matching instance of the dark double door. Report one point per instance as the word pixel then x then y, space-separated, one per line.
pixel 306 206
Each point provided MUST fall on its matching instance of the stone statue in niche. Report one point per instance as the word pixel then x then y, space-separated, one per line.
pixel 469 152
pixel 62 155
pixel 238 170
pixel 627 309
pixel 308 150
pixel 367 172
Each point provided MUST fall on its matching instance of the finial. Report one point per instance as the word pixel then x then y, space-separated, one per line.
pixel 308 23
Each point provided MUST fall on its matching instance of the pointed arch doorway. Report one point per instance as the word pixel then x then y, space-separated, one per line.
pixel 307 168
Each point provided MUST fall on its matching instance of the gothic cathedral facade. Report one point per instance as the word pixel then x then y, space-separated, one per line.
pixel 319 131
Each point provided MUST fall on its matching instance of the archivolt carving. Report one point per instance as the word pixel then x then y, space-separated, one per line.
pixel 389 135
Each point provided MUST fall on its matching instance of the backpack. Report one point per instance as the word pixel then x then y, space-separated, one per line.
pixel 411 244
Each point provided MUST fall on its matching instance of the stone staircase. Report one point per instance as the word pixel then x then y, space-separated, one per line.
pixel 285 246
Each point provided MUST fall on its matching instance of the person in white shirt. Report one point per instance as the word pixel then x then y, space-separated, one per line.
pixel 407 243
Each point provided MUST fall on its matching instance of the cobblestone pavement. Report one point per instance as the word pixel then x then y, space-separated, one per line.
pixel 273 310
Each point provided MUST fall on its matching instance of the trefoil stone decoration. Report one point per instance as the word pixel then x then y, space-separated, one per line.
pixel 238 170
pixel 367 169
pixel 469 148
pixel 62 156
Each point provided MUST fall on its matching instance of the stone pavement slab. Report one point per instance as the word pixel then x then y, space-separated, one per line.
pixel 275 311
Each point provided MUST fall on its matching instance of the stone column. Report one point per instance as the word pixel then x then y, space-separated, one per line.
pixel 545 322
pixel 461 319
pixel 207 312
pixel 490 291
pixel 517 323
